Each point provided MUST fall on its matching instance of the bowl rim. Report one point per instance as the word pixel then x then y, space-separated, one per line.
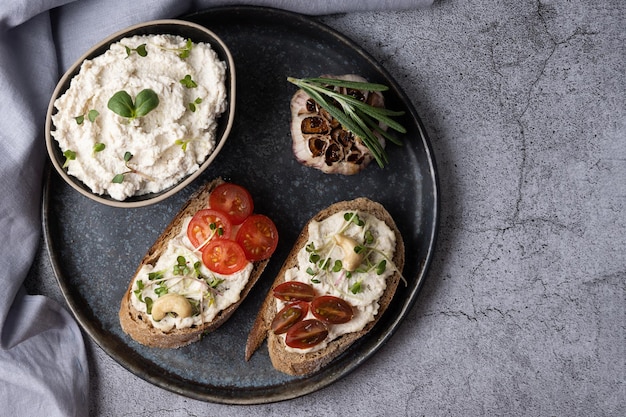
pixel 52 145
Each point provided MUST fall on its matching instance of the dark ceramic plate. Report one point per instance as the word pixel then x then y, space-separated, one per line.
pixel 94 249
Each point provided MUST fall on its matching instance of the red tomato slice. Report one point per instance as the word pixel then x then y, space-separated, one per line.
pixel 232 200
pixel 207 224
pixel 258 237
pixel 224 256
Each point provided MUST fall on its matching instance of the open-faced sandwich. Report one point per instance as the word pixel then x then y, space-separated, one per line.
pixel 200 269
pixel 336 283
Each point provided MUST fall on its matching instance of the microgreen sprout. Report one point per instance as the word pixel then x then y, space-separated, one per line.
pixel 192 105
pixel 181 267
pixel 356 116
pixel 356 287
pixel 182 143
pixel 119 178
pixel 149 303
pixel 382 266
pixel 155 275
pixel 141 50
pixel 182 52
pixel 91 116
pixel 69 156
pixel 353 218
pixel 98 147
pixel 188 82
pixel 161 289
pixel 121 103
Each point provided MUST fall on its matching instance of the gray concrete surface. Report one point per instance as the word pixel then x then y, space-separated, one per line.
pixel 522 312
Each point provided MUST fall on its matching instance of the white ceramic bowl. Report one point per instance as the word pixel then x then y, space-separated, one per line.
pixel 182 28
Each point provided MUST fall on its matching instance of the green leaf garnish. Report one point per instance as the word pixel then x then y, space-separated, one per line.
pixel 215 282
pixel 119 178
pixel 356 288
pixel 184 52
pixel 149 303
pixel 192 106
pixel 92 115
pixel 69 156
pixel 141 50
pixel 146 101
pixel 155 275
pixel 354 218
pixel 338 265
pixel 121 103
pixel 381 267
pixel 182 143
pixel 356 116
pixel 181 267
pixel 161 289
pixel 98 147
pixel 188 82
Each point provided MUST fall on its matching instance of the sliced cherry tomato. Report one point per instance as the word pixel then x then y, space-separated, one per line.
pixel 258 237
pixel 294 291
pixel 332 310
pixel 224 256
pixel 289 315
pixel 305 334
pixel 232 200
pixel 208 224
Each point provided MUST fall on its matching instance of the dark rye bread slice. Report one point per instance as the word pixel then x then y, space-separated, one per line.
pixel 306 363
pixel 138 326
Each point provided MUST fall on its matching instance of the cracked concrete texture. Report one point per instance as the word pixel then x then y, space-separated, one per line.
pixel 523 309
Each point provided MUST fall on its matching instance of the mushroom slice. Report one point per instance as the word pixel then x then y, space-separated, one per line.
pixel 320 141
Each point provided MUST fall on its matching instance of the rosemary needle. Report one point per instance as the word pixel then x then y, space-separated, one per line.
pixel 360 118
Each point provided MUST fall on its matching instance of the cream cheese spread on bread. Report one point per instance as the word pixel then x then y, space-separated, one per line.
pixel 322 264
pixel 179 270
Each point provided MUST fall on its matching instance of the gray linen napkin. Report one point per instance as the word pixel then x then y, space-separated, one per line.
pixel 43 363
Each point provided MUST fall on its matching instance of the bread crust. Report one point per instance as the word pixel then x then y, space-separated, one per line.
pixel 137 325
pixel 294 363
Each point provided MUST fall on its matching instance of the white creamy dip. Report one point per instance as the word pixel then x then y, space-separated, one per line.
pixel 368 284
pixel 209 300
pixel 168 143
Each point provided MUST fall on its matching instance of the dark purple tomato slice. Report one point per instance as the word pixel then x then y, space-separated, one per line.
pixel 289 315
pixel 306 334
pixel 294 291
pixel 332 310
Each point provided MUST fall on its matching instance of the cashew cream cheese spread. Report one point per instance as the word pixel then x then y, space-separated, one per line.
pixel 168 143
pixel 207 291
pixel 361 288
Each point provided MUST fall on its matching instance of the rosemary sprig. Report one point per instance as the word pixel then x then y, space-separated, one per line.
pixel 356 116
